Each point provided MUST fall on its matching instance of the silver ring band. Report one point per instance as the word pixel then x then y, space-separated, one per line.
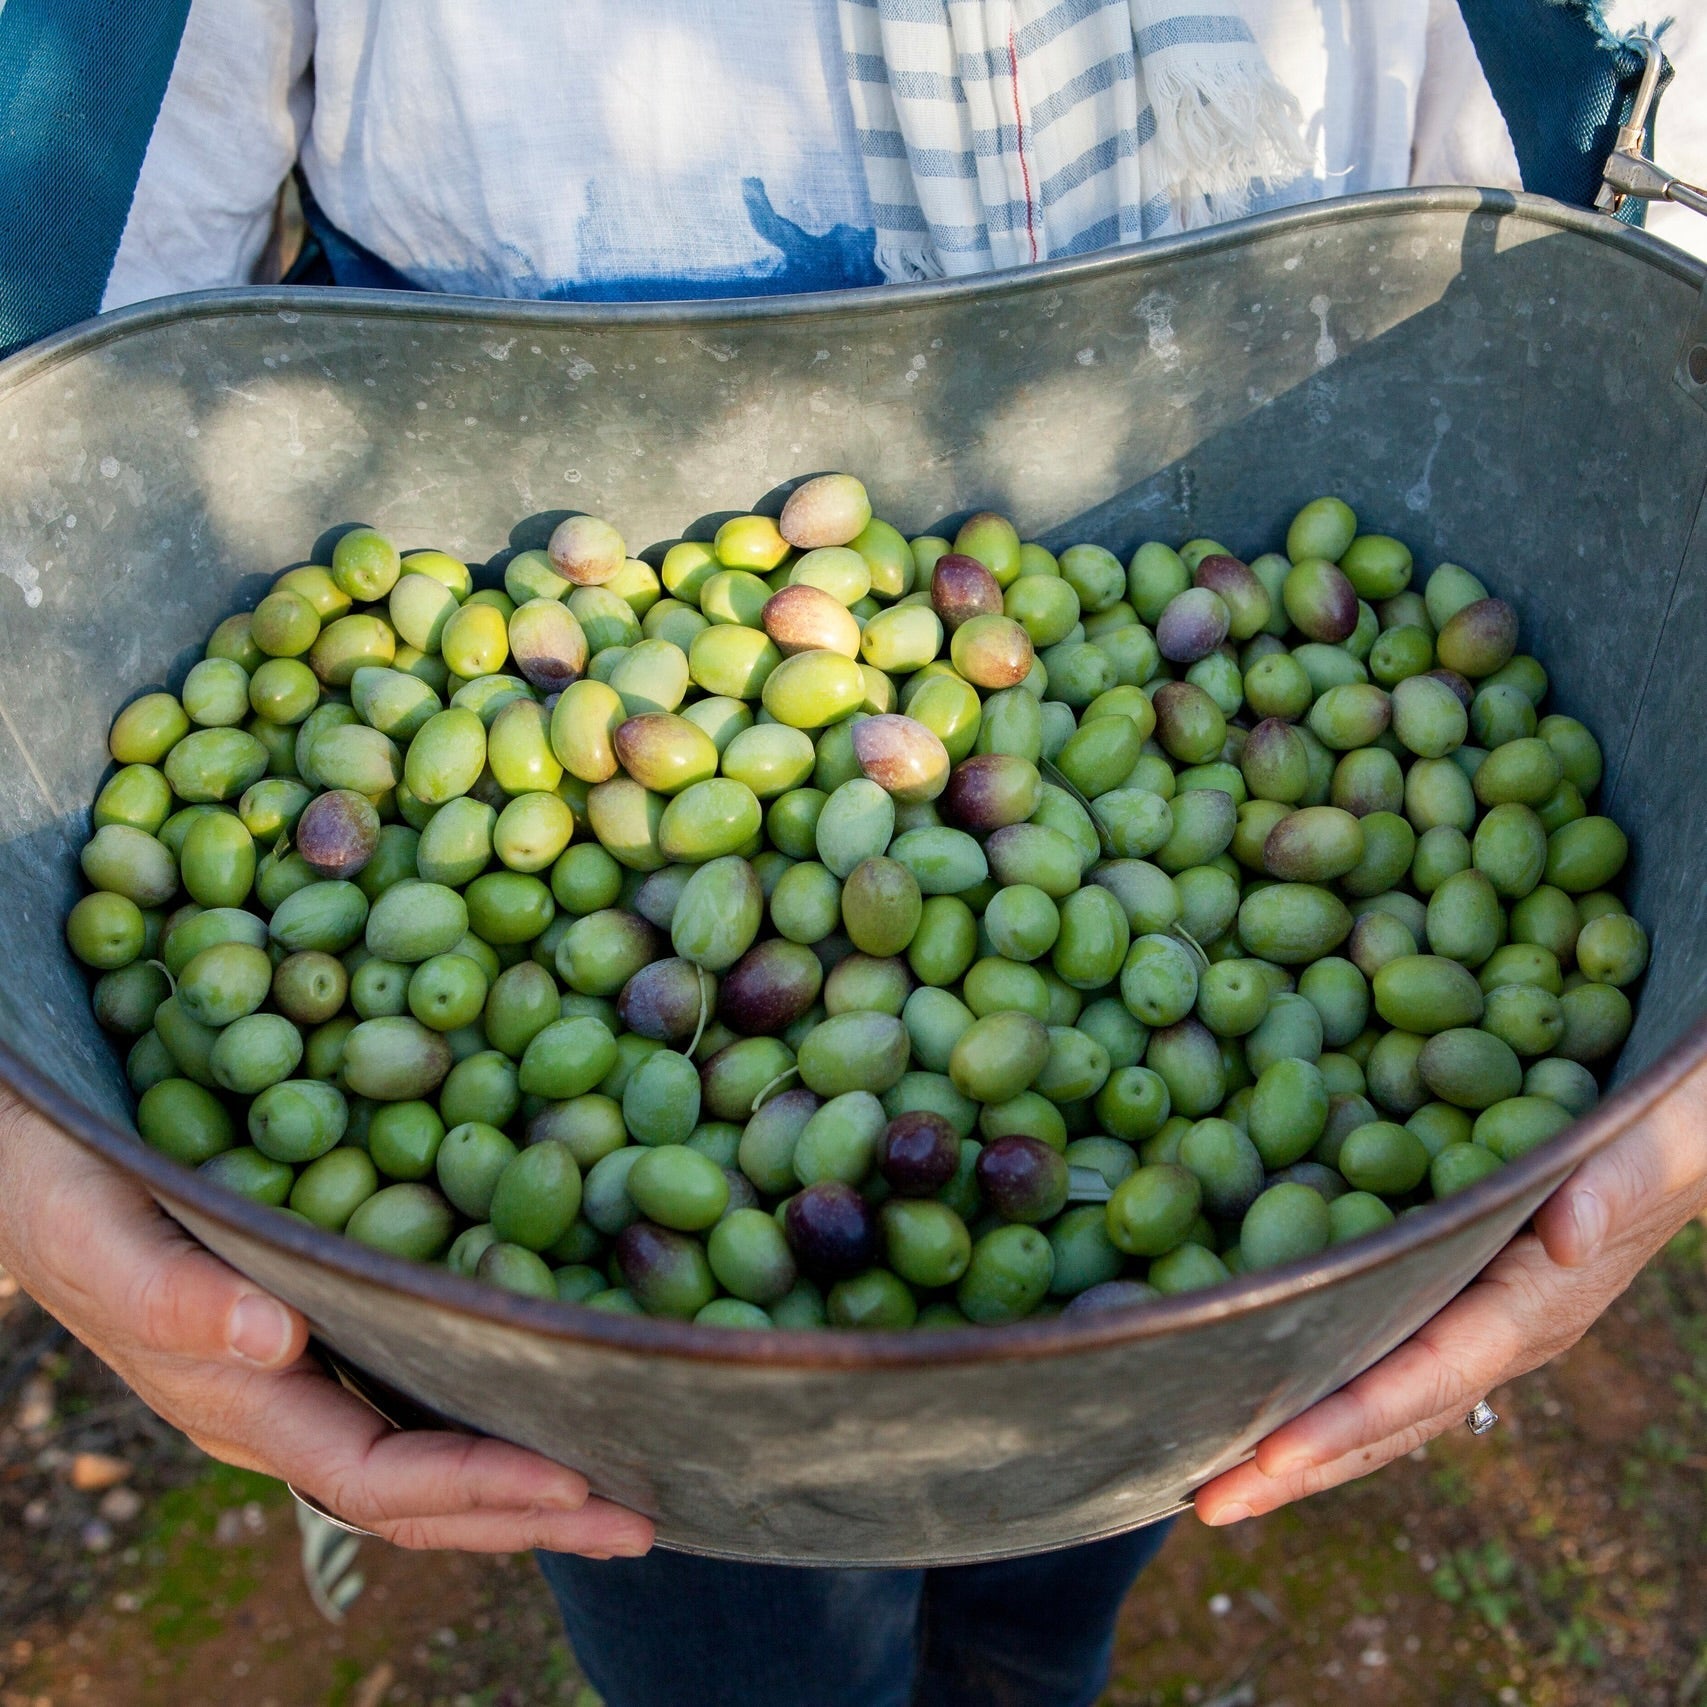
pixel 1482 1418
pixel 309 1503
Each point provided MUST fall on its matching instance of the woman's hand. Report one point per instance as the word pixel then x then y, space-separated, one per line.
pixel 1537 1298
pixel 223 1361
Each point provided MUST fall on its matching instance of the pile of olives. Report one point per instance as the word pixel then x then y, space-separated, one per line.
pixel 827 927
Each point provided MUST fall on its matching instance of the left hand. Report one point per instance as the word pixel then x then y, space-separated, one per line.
pixel 1535 1300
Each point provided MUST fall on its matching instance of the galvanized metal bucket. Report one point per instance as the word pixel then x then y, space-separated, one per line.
pixel 1500 381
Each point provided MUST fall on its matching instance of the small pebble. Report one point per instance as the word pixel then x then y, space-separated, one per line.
pixel 92 1471
pixel 1220 1605
pixel 120 1505
pixel 96 1536
pixel 36 1514
pixel 35 1404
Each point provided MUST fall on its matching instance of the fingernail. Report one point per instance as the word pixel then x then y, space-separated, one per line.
pixel 259 1330
pixel 1588 1219
pixel 564 1494
pixel 630 1548
pixel 1227 1514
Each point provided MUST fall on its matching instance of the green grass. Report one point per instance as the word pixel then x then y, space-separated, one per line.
pixel 194 1581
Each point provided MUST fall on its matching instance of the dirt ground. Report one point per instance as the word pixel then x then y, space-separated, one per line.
pixel 1560 1562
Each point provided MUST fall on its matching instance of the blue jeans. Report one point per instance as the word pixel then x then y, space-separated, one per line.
pixel 672 1630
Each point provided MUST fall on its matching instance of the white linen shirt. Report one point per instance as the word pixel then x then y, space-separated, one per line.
pixel 657 148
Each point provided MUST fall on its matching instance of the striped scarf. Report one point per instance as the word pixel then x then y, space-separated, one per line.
pixel 996 133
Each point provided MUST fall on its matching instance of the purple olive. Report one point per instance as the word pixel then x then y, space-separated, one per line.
pixel 1192 625
pixel 663 752
pixel 338 832
pixel 804 618
pixel 1275 762
pixel 1111 1295
pixel 903 757
pixel 1315 844
pixel 1320 1178
pixel 831 1229
pixel 1022 1179
pixel 918 1153
pixel 961 587
pixel 667 999
pixel 1189 724
pixel 991 651
pixel 989 790
pixel 666 1271
pixel 769 987
pixel 586 551
pixel 1459 685
pixel 548 644
pixel 1246 598
pixel 1375 939
pixel 743 1194
pixel 655 899
pixel 1479 639
pixel 1320 600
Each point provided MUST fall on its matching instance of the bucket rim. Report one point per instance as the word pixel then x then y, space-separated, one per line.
pixel 39 358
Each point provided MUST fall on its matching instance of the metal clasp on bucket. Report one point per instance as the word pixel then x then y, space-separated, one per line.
pixel 1628 171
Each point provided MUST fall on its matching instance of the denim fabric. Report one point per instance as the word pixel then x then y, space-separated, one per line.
pixel 672 1630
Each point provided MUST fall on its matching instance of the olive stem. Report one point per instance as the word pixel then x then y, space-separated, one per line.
pixel 704 1014
pixel 1191 942
pixel 766 1089
pixel 1104 840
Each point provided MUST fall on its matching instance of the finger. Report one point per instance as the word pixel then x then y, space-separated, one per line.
pixel 1644 1186
pixel 223 1360
pixel 1449 1363
pixel 1503 1324
pixel 1249 1491
pixel 333 1447
pixel 598 1531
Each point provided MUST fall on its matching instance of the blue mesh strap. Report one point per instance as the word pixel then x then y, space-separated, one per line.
pixel 1564 83
pixel 81 82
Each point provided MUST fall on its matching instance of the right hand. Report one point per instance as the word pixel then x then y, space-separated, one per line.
pixel 224 1361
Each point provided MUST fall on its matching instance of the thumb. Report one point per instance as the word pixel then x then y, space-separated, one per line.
pixel 186 1303
pixel 103 1256
pixel 1643 1183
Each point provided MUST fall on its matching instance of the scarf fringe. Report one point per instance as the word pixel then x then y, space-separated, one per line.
pixel 908 265
pixel 1219 134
